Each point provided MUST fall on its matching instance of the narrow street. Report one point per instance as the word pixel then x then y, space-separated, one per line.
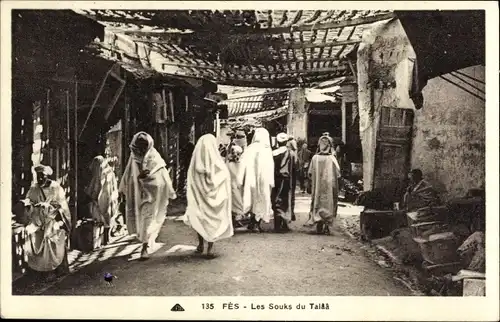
pixel 248 264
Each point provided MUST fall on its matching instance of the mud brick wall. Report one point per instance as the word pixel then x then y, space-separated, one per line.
pixel 449 134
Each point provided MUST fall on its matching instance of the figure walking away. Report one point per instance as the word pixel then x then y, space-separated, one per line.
pixel 256 177
pixel 304 156
pixel 324 173
pixel 292 148
pixel 147 187
pixel 283 168
pixel 103 193
pixel 208 209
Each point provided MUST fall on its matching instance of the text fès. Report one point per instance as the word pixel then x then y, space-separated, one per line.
pixel 274 306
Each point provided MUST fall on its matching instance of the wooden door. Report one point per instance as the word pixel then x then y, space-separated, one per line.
pixel 393 152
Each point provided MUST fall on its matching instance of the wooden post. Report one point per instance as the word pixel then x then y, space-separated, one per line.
pixel 344 121
pixel 217 124
pixel 75 168
pixel 47 135
pixel 297 114
pixel 125 129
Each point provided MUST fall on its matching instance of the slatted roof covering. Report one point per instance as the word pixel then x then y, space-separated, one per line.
pixel 269 48
pixel 263 100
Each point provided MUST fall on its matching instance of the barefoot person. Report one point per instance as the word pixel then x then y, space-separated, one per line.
pixel 256 176
pixel 324 173
pixel 147 187
pixel 48 222
pixel 208 195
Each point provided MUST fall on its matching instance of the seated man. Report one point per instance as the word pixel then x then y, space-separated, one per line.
pixel 419 193
pixel 48 222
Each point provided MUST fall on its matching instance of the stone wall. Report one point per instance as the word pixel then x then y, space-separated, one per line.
pixel 449 134
pixel 385 55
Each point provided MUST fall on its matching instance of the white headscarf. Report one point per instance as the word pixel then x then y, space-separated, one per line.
pixel 209 192
pixel 257 174
pixel 262 136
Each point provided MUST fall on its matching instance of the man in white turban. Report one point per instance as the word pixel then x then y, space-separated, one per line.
pixel 48 224
pixel 283 175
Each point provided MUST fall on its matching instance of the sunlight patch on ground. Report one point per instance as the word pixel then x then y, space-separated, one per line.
pixel 180 248
pixel 151 250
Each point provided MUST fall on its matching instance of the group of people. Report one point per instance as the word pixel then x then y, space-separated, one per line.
pixel 252 180
pixel 264 179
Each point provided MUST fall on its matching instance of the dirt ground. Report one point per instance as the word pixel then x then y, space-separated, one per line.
pixel 249 264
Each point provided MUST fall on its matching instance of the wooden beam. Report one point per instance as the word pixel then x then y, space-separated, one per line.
pixel 318 45
pixel 345 46
pixel 322 49
pixel 276 71
pixel 292 41
pixel 288 82
pixel 330 50
pixel 273 30
pixel 330 25
pixel 160 34
pixel 303 48
pixel 315 16
pixel 353 70
pixel 188 54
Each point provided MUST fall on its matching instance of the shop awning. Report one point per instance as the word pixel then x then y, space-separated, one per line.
pixel 269 48
pixel 444 41
pixel 257 101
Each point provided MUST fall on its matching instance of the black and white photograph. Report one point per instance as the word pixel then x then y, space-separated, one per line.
pixel 316 153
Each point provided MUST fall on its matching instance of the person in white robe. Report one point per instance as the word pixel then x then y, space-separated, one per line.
pixel 234 164
pixel 103 193
pixel 48 224
pixel 208 209
pixel 324 173
pixel 147 187
pixel 256 176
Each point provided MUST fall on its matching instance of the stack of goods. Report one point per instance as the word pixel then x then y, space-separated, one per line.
pixel 438 235
pixel 439 252
pixel 434 219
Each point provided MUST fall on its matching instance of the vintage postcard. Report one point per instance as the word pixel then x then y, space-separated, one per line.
pixel 271 160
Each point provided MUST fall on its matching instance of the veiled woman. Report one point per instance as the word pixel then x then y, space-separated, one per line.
pixel 147 187
pixel 233 164
pixel 324 172
pixel 48 222
pixel 208 209
pixel 256 176
pixel 103 192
